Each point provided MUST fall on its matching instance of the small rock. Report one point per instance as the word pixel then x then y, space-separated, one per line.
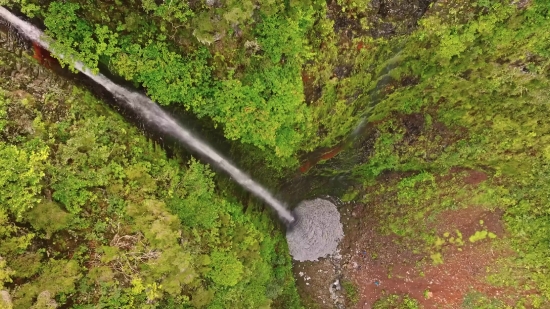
pixel 45 300
pixel 5 299
pixel 337 285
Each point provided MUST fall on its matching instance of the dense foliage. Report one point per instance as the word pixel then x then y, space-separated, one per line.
pixel 93 215
pixel 458 84
pixel 478 100
pixel 248 81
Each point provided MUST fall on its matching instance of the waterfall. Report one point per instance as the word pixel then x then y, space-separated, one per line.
pixel 155 116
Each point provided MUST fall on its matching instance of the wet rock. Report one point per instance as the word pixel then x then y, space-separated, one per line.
pixel 317 232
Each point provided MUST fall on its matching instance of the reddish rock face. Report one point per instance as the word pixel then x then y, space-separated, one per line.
pixel 43 56
pixel 310 162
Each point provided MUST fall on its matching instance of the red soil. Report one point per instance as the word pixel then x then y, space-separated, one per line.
pixel 331 153
pixel 472 178
pixel 384 267
pixel 381 265
pixel 305 167
pixel 362 45
pixel 43 56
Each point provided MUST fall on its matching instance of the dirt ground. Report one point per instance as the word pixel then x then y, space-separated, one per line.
pixel 380 265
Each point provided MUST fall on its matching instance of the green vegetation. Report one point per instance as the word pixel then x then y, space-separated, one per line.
pixel 187 55
pixel 478 103
pixel 94 215
pixel 352 293
pixel 476 300
pixel 396 302
pixel 463 88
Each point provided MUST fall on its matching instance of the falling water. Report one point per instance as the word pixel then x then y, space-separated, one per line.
pixel 154 115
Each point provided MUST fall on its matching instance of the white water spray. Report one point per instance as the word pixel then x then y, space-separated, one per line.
pixel 154 115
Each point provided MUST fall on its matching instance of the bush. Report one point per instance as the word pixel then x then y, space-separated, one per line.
pixel 56 220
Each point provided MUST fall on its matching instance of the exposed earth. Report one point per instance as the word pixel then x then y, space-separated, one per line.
pixel 375 265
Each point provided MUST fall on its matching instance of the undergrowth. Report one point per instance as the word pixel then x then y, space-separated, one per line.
pixel 481 94
pixel 93 214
